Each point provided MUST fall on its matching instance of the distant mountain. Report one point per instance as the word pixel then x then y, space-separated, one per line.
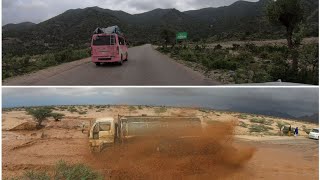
pixel 312 118
pixel 73 28
pixel 20 26
pixel 272 113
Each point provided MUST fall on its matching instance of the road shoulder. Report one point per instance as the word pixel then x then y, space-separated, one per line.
pixel 32 78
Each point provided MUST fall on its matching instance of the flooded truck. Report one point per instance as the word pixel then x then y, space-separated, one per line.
pixel 108 131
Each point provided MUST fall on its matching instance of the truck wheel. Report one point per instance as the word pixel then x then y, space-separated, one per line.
pixel 98 64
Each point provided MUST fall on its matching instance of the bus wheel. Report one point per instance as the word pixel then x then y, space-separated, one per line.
pixel 98 64
pixel 121 61
pixel 126 57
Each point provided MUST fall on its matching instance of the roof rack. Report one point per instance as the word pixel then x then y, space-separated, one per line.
pixel 109 30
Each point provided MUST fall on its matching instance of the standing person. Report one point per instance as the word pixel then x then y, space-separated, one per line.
pixel 289 132
pixel 296 131
pixel 82 127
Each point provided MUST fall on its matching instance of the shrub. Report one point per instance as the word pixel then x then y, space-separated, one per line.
pixel 72 109
pixel 14 66
pixel 258 120
pixel 33 175
pixel 244 58
pixel 243 116
pixel 259 128
pixel 160 110
pixel 217 47
pixel 235 46
pixel 243 124
pixel 305 129
pixel 57 116
pixel 204 110
pixel 74 172
pixel 82 112
pixel 132 108
pixel 251 47
pixel 63 171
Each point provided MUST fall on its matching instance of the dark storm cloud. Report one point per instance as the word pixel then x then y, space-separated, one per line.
pixel 293 101
pixel 16 11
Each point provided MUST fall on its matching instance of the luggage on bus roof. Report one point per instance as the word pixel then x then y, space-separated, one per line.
pixel 108 30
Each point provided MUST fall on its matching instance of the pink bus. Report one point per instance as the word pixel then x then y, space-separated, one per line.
pixel 107 48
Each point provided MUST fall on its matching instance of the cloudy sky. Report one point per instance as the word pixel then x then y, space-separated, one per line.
pixel 16 11
pixel 296 102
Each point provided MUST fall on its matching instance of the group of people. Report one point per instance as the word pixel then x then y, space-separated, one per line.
pixel 296 131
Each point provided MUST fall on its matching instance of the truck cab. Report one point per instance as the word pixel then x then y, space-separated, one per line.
pixel 103 132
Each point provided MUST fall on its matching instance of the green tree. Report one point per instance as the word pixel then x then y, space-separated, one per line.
pixel 280 124
pixel 40 114
pixel 57 116
pixel 168 36
pixel 288 13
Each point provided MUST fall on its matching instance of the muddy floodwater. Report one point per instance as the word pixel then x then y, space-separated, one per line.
pixel 214 153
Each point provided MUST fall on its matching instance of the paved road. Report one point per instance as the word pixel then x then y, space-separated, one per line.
pixel 146 66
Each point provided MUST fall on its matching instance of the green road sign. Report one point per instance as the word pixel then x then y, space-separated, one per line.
pixel 182 35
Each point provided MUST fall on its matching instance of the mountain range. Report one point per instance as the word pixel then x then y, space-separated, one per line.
pixel 73 28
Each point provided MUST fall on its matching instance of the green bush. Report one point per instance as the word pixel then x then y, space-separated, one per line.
pixel 63 171
pixel 204 110
pixel 72 109
pixel 33 175
pixel 255 64
pixel 57 116
pixel 15 66
pixel 258 120
pixel 261 121
pixel 243 124
pixel 305 129
pixel 160 110
pixel 82 112
pixel 242 116
pixel 218 46
pixel 75 172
